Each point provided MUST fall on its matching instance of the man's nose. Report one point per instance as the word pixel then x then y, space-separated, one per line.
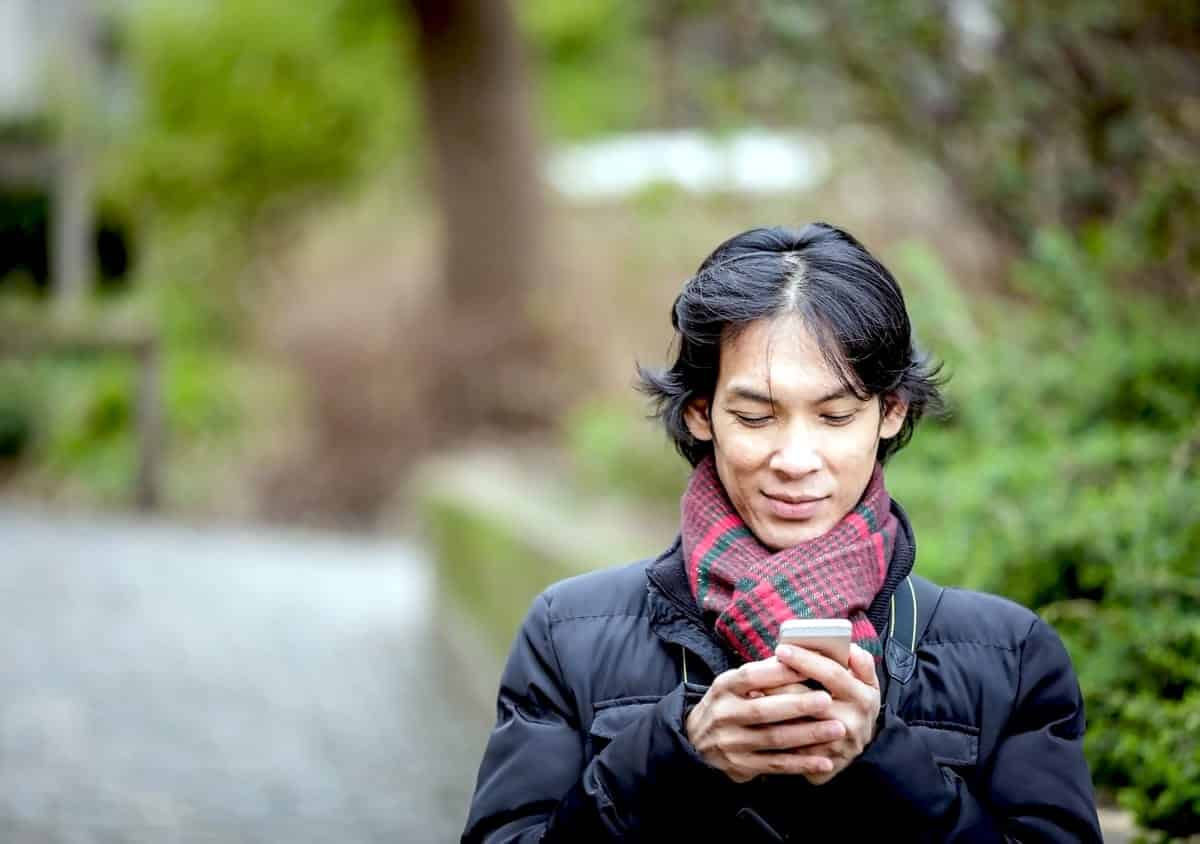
pixel 796 456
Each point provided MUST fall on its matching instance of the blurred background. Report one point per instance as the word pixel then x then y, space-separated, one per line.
pixel 318 326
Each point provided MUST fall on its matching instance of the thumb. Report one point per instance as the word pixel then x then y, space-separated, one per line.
pixel 862 664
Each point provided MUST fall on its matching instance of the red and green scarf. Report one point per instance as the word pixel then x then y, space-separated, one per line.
pixel 753 590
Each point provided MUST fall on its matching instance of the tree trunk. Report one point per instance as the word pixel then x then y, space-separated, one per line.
pixel 481 129
pixel 667 25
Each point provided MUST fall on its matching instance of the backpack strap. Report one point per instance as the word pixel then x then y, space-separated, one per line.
pixel 912 606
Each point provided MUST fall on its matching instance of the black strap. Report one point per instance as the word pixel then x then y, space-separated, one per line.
pixel 913 605
pixel 756 822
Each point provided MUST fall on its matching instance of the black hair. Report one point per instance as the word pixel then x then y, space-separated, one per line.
pixel 847 299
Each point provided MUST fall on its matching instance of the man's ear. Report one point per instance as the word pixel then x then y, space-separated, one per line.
pixel 895 409
pixel 696 417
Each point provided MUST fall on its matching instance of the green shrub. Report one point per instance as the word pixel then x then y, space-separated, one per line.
pixel 73 419
pixel 84 430
pixel 592 58
pixel 20 408
pixel 1068 480
pixel 247 103
pixel 614 451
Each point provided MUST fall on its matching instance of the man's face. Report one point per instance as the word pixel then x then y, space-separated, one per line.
pixel 794 449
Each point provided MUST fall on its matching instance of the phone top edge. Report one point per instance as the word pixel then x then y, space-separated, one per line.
pixel 810 627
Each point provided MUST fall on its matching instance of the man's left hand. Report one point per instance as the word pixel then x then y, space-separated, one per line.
pixel 856 702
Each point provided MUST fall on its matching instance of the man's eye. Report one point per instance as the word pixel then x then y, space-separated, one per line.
pixel 752 421
pixel 838 419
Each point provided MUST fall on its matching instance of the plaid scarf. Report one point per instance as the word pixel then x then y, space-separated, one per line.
pixel 753 591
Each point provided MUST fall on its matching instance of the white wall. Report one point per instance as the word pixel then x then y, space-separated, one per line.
pixel 23 55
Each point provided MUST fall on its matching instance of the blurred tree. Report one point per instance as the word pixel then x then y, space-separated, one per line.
pixel 481 130
pixel 706 57
pixel 667 24
pixel 1077 113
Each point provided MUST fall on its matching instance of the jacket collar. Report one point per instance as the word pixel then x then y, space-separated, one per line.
pixel 904 555
pixel 674 616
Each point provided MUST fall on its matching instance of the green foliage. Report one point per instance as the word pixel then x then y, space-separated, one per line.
pixel 593 59
pixel 616 453
pixel 71 420
pixel 20 406
pixel 85 428
pixel 247 103
pixel 1158 743
pixel 1067 479
pixel 203 397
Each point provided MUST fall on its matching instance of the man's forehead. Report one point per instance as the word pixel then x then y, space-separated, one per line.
pixel 779 358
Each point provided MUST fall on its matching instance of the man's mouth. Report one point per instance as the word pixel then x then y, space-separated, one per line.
pixel 794 507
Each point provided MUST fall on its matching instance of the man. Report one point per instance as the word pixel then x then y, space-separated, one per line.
pixel 652 703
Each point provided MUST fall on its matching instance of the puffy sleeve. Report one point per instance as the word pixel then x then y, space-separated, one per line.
pixel 536 783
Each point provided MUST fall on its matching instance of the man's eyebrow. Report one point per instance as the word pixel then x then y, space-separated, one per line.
pixel 839 393
pixel 749 394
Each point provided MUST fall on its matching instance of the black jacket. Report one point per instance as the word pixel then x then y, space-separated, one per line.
pixel 979 740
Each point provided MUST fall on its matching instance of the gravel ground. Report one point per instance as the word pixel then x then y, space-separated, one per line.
pixel 173 684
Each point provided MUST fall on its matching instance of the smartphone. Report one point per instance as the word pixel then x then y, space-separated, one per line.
pixel 828 636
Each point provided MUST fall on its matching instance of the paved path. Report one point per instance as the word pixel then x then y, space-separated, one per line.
pixel 170 684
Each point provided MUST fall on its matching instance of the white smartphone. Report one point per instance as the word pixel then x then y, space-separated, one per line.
pixel 828 636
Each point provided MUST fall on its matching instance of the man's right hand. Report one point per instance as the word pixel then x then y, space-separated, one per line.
pixel 744 732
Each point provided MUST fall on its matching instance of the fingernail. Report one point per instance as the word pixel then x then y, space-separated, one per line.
pixel 785 651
